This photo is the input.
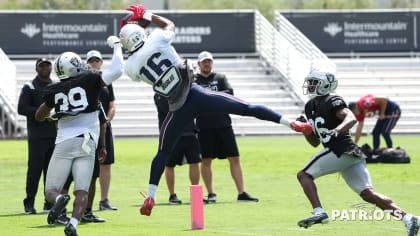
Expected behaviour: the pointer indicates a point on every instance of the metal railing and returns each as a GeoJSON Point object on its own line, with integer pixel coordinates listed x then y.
{"type": "Point", "coordinates": [9, 127]}
{"type": "Point", "coordinates": [287, 50]}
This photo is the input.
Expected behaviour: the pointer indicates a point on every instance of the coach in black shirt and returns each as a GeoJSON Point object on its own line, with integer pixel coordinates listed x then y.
{"type": "Point", "coordinates": [216, 136]}
{"type": "Point", "coordinates": [41, 135]}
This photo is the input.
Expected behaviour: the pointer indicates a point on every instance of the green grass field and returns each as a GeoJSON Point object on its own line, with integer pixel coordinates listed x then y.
{"type": "Point", "coordinates": [270, 165]}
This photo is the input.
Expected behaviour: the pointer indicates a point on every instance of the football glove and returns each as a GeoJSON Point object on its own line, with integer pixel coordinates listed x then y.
{"type": "Point", "coordinates": [112, 40]}
{"type": "Point", "coordinates": [138, 12]}
{"type": "Point", "coordinates": [303, 127]}
{"type": "Point", "coordinates": [138, 15]}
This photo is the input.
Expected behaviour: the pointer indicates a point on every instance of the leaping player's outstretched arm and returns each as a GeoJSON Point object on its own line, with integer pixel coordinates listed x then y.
{"type": "Point", "coordinates": [163, 22]}
{"type": "Point", "coordinates": [117, 63]}
{"type": "Point", "coordinates": [139, 12]}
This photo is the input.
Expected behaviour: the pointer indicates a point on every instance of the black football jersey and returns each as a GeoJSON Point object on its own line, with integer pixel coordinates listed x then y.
{"type": "Point", "coordinates": [321, 113]}
{"type": "Point", "coordinates": [75, 95]}
{"type": "Point", "coordinates": [214, 82]}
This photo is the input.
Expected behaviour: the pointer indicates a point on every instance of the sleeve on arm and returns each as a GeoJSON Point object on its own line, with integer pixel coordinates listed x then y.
{"type": "Point", "coordinates": [161, 35]}
{"type": "Point", "coordinates": [24, 105]}
{"type": "Point", "coordinates": [117, 66]}
{"type": "Point", "coordinates": [337, 103]}
{"type": "Point", "coordinates": [111, 93]}
{"type": "Point", "coordinates": [228, 88]}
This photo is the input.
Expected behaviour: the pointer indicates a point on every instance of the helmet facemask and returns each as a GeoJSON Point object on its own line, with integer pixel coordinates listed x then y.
{"type": "Point", "coordinates": [319, 84]}
{"type": "Point", "coordinates": [132, 37]}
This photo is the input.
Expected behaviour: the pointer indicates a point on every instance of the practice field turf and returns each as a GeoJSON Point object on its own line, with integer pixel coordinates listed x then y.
{"type": "Point", "coordinates": [270, 165]}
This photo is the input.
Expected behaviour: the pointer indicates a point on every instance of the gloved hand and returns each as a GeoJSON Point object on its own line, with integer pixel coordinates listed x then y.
{"type": "Point", "coordinates": [112, 40]}
{"type": "Point", "coordinates": [302, 127]}
{"type": "Point", "coordinates": [138, 15]}
{"type": "Point", "coordinates": [138, 12]}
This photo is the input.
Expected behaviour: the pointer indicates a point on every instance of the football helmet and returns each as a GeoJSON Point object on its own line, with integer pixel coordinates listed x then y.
{"type": "Point", "coordinates": [69, 64]}
{"type": "Point", "coordinates": [319, 83]}
{"type": "Point", "coordinates": [132, 37]}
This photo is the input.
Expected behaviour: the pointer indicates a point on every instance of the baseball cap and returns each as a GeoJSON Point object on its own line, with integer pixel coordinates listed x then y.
{"type": "Point", "coordinates": [93, 53]}
{"type": "Point", "coordinates": [204, 55]}
{"type": "Point", "coordinates": [39, 61]}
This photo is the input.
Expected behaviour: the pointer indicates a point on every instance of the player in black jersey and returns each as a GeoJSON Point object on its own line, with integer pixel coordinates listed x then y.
{"type": "Point", "coordinates": [331, 120]}
{"type": "Point", "coordinates": [216, 136]}
{"type": "Point", "coordinates": [75, 103]}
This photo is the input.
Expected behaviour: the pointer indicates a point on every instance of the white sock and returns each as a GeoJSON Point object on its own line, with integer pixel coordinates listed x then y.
{"type": "Point", "coordinates": [318, 210]}
{"type": "Point", "coordinates": [151, 192]}
{"type": "Point", "coordinates": [56, 198]}
{"type": "Point", "coordinates": [284, 121]}
{"type": "Point", "coordinates": [407, 218]}
{"type": "Point", "coordinates": [74, 222]}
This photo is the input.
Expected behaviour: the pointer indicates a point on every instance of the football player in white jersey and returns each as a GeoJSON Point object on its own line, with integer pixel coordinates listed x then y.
{"type": "Point", "coordinates": [153, 60]}
{"type": "Point", "coordinates": [75, 103]}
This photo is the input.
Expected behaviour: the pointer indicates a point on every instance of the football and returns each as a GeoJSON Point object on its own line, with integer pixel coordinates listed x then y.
{"type": "Point", "coordinates": [142, 22]}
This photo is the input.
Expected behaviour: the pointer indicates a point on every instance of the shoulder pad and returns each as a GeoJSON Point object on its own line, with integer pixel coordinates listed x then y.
{"type": "Point", "coordinates": [30, 85]}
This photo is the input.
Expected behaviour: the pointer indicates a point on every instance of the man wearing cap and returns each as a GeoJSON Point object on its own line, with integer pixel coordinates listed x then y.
{"type": "Point", "coordinates": [216, 136]}
{"type": "Point", "coordinates": [107, 98]}
{"type": "Point", "coordinates": [41, 135]}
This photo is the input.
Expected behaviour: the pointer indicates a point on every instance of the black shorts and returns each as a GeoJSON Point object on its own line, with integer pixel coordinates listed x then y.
{"type": "Point", "coordinates": [218, 143]}
{"type": "Point", "coordinates": [109, 141]}
{"type": "Point", "coordinates": [188, 147]}
{"type": "Point", "coordinates": [96, 167]}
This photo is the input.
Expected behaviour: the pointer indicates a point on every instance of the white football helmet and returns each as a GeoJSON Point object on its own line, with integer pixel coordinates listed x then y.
{"type": "Point", "coordinates": [319, 83]}
{"type": "Point", "coordinates": [69, 64]}
{"type": "Point", "coordinates": [132, 37]}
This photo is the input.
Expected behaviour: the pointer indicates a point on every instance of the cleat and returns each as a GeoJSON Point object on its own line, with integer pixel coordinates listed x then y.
{"type": "Point", "coordinates": [30, 210]}
{"type": "Point", "coordinates": [62, 219]}
{"type": "Point", "coordinates": [211, 198]}
{"type": "Point", "coordinates": [29, 207]}
{"type": "Point", "coordinates": [70, 230]}
{"type": "Point", "coordinates": [106, 205]}
{"type": "Point", "coordinates": [89, 217]}
{"type": "Point", "coordinates": [245, 197]}
{"type": "Point", "coordinates": [146, 208]}
{"type": "Point", "coordinates": [321, 218]}
{"type": "Point", "coordinates": [413, 226]}
{"type": "Point", "coordinates": [173, 200]}
{"type": "Point", "coordinates": [58, 208]}
{"type": "Point", "coordinates": [303, 127]}
{"type": "Point", "coordinates": [47, 207]}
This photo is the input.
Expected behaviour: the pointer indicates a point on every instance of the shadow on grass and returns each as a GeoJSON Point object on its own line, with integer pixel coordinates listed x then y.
{"type": "Point", "coordinates": [23, 214]}
{"type": "Point", "coordinates": [46, 226]}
